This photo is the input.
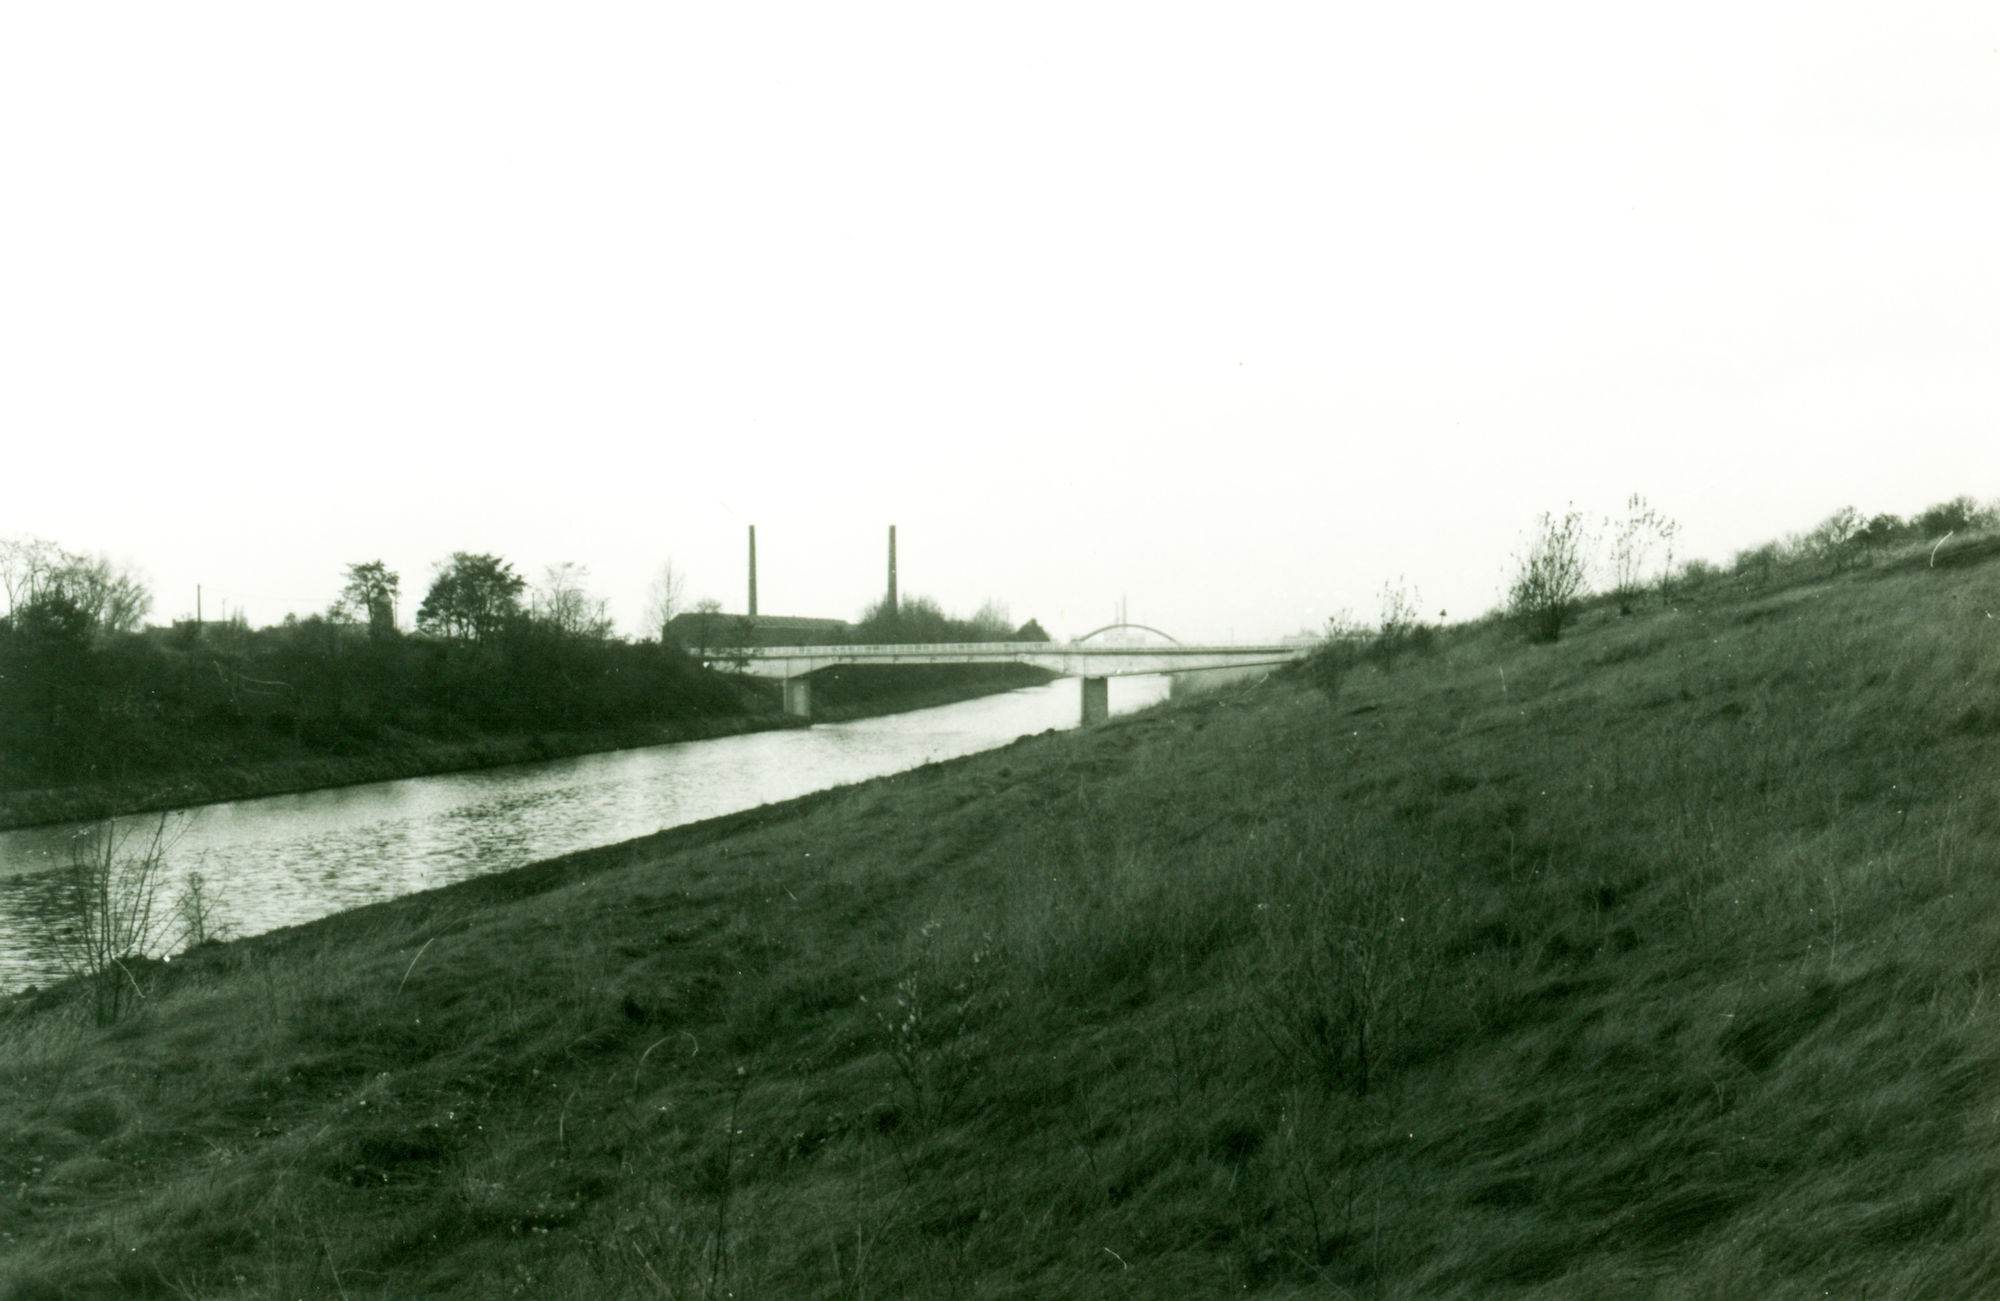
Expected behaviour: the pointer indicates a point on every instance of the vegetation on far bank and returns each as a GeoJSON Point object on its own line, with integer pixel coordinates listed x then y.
{"type": "Point", "coordinates": [101, 715]}
{"type": "Point", "coordinates": [392, 760]}
{"type": "Point", "coordinates": [91, 700]}
{"type": "Point", "coordinates": [272, 767]}
{"type": "Point", "coordinates": [861, 690]}
{"type": "Point", "coordinates": [1659, 960]}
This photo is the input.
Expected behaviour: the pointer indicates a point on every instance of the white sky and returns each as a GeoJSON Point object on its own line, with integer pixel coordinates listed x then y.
{"type": "Point", "coordinates": [1233, 311]}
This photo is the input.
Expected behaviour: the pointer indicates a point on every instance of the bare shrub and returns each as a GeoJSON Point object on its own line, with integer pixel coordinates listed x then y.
{"type": "Point", "coordinates": [109, 897]}
{"type": "Point", "coordinates": [1402, 630]}
{"type": "Point", "coordinates": [927, 1022]}
{"type": "Point", "coordinates": [1635, 539]}
{"type": "Point", "coordinates": [1550, 578]}
{"type": "Point", "coordinates": [198, 912]}
{"type": "Point", "coordinates": [1338, 652]}
{"type": "Point", "coordinates": [1347, 963]}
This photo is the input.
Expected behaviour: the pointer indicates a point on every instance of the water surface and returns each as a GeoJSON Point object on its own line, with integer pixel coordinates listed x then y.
{"type": "Point", "coordinates": [284, 859]}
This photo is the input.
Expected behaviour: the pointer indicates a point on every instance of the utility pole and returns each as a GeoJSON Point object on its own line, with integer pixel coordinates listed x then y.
{"type": "Point", "coordinates": [753, 571]}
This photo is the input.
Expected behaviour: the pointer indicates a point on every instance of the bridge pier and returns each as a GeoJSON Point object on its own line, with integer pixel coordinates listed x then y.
{"type": "Point", "coordinates": [1096, 700]}
{"type": "Point", "coordinates": [799, 697]}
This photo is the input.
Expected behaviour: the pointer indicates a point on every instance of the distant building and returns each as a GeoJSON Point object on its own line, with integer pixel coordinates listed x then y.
{"type": "Point", "coordinates": [700, 630]}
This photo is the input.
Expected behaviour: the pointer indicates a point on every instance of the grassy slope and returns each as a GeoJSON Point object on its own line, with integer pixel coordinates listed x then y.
{"type": "Point", "coordinates": [1656, 962]}
{"type": "Point", "coordinates": [869, 690]}
{"type": "Point", "coordinates": [269, 765]}
{"type": "Point", "coordinates": [215, 773]}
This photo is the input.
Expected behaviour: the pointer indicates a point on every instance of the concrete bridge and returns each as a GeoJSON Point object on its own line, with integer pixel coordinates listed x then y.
{"type": "Point", "coordinates": [1093, 662]}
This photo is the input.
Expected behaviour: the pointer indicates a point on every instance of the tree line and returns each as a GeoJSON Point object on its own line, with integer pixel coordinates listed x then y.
{"type": "Point", "coordinates": [87, 694]}
{"type": "Point", "coordinates": [919, 619]}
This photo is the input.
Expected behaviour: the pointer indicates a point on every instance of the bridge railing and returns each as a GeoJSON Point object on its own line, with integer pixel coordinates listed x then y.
{"type": "Point", "coordinates": [1006, 647]}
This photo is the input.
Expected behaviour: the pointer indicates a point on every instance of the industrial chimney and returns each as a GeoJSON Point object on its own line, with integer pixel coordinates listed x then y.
{"type": "Point", "coordinates": [753, 571]}
{"type": "Point", "coordinates": [891, 609]}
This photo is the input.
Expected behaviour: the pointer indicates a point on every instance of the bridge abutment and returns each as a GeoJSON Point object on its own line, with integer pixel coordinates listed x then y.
{"type": "Point", "coordinates": [1096, 700]}
{"type": "Point", "coordinates": [799, 697]}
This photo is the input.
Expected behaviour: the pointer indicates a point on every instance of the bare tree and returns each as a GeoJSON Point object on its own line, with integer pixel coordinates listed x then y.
{"type": "Point", "coordinates": [990, 623]}
{"type": "Point", "coordinates": [25, 565]}
{"type": "Point", "coordinates": [708, 630]}
{"type": "Point", "coordinates": [663, 599]}
{"type": "Point", "coordinates": [564, 603]}
{"type": "Point", "coordinates": [114, 599]}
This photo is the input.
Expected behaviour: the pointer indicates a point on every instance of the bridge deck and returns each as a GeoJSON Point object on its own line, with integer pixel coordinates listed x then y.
{"type": "Point", "coordinates": [1066, 658]}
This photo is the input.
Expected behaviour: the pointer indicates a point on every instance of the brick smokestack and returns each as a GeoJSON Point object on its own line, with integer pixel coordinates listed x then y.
{"type": "Point", "coordinates": [892, 571]}
{"type": "Point", "coordinates": [753, 571]}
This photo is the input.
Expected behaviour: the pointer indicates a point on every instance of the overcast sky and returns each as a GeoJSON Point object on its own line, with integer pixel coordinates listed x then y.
{"type": "Point", "coordinates": [1233, 312]}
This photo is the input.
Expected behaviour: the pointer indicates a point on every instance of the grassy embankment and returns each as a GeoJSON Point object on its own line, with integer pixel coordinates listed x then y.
{"type": "Point", "coordinates": [221, 775]}
{"type": "Point", "coordinates": [867, 690]}
{"type": "Point", "coordinates": [1656, 962]}
{"type": "Point", "coordinates": [265, 763]}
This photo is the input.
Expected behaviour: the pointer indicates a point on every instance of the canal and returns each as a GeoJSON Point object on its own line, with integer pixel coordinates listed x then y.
{"type": "Point", "coordinates": [285, 859]}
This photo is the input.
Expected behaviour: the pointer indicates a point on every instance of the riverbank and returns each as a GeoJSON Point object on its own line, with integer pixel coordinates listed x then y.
{"type": "Point", "coordinates": [854, 691]}
{"type": "Point", "coordinates": [1655, 962]}
{"type": "Point", "coordinates": [391, 762]}
{"type": "Point", "coordinates": [894, 691]}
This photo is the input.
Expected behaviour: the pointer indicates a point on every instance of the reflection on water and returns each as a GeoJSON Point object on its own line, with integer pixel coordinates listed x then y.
{"type": "Point", "coordinates": [285, 859]}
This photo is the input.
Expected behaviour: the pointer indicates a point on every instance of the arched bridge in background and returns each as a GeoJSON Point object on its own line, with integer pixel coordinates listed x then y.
{"type": "Point", "coordinates": [1121, 634]}
{"type": "Point", "coordinates": [1088, 658]}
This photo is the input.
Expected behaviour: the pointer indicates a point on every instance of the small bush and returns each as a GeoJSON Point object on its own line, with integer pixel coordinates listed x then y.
{"type": "Point", "coordinates": [1634, 541]}
{"type": "Point", "coordinates": [1835, 540]}
{"type": "Point", "coordinates": [1402, 630]}
{"type": "Point", "coordinates": [1348, 961]}
{"type": "Point", "coordinates": [1955, 516]}
{"type": "Point", "coordinates": [109, 897]}
{"type": "Point", "coordinates": [928, 1022]}
{"type": "Point", "coordinates": [1341, 650]}
{"type": "Point", "coordinates": [1758, 564]}
{"type": "Point", "coordinates": [1880, 532]}
{"type": "Point", "coordinates": [1696, 573]}
{"type": "Point", "coordinates": [1550, 578]}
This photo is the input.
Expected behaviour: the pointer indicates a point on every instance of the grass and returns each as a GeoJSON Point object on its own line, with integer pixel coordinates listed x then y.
{"type": "Point", "coordinates": [210, 773]}
{"type": "Point", "coordinates": [250, 763]}
{"type": "Point", "coordinates": [1660, 961]}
